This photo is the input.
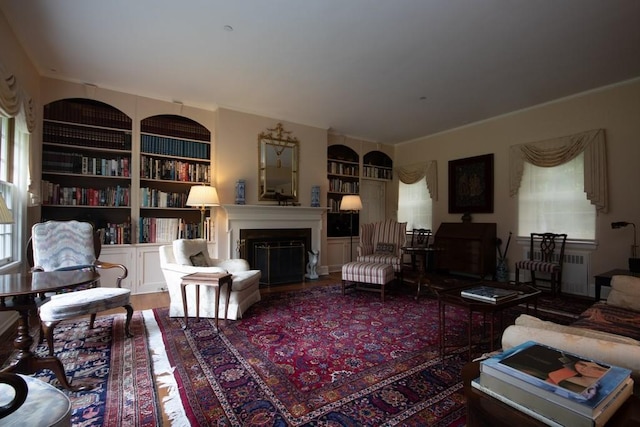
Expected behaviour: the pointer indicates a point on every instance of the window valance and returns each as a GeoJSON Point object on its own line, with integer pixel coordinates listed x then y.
{"type": "Point", "coordinates": [413, 173]}
{"type": "Point", "coordinates": [554, 152]}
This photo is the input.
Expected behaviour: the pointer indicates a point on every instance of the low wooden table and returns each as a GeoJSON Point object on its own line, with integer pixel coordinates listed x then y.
{"type": "Point", "coordinates": [216, 280]}
{"type": "Point", "coordinates": [486, 411]}
{"type": "Point", "coordinates": [451, 297]}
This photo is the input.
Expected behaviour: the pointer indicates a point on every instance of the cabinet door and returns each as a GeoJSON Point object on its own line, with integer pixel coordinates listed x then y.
{"type": "Point", "coordinates": [373, 195]}
{"type": "Point", "coordinates": [118, 255]}
{"type": "Point", "coordinates": [150, 277]}
{"type": "Point", "coordinates": [338, 252]}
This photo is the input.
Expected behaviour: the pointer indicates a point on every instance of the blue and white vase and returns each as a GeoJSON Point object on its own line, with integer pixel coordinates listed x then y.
{"type": "Point", "coordinates": [502, 270]}
{"type": "Point", "coordinates": [240, 188]}
{"type": "Point", "coordinates": [315, 196]}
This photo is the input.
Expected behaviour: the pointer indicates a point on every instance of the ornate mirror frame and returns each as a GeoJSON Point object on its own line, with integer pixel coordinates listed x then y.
{"type": "Point", "coordinates": [278, 165]}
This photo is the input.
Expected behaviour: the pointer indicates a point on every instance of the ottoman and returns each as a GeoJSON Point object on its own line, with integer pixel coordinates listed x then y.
{"type": "Point", "coordinates": [366, 276]}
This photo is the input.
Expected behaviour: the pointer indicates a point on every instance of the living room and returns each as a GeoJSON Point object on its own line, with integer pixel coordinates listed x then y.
{"type": "Point", "coordinates": [612, 107]}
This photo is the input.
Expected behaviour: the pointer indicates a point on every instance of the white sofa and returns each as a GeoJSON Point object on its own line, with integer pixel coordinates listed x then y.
{"type": "Point", "coordinates": [177, 260]}
{"type": "Point", "coordinates": [607, 347]}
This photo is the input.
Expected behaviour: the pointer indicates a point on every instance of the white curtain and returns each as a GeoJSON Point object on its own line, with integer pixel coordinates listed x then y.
{"type": "Point", "coordinates": [557, 151]}
{"type": "Point", "coordinates": [413, 173]}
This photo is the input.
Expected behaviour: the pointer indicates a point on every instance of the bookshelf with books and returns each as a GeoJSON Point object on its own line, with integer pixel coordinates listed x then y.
{"type": "Point", "coordinates": [86, 166]}
{"type": "Point", "coordinates": [377, 165]}
{"type": "Point", "coordinates": [343, 173]}
{"type": "Point", "coordinates": [175, 153]}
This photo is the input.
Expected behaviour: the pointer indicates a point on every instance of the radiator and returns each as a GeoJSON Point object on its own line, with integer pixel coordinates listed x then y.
{"type": "Point", "coordinates": [576, 270]}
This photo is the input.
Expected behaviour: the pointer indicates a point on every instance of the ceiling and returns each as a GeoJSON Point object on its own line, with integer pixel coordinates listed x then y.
{"type": "Point", "coordinates": [381, 70]}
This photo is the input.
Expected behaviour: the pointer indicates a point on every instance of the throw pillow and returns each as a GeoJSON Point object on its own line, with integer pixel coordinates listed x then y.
{"type": "Point", "coordinates": [199, 260]}
{"type": "Point", "coordinates": [625, 292]}
{"type": "Point", "coordinates": [385, 249]}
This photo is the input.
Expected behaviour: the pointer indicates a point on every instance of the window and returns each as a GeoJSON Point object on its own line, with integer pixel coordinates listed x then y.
{"type": "Point", "coordinates": [552, 199]}
{"type": "Point", "coordinates": [414, 205]}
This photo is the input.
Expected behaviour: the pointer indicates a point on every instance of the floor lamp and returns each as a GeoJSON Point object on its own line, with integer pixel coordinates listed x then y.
{"type": "Point", "coordinates": [203, 196]}
{"type": "Point", "coordinates": [351, 203]}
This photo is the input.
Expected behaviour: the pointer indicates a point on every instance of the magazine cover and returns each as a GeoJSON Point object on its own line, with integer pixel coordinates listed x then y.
{"type": "Point", "coordinates": [488, 293]}
{"type": "Point", "coordinates": [565, 374]}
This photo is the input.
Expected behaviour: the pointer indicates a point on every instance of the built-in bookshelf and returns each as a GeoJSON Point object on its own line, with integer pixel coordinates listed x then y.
{"type": "Point", "coordinates": [86, 166]}
{"type": "Point", "coordinates": [343, 173]}
{"type": "Point", "coordinates": [175, 154]}
{"type": "Point", "coordinates": [377, 165]}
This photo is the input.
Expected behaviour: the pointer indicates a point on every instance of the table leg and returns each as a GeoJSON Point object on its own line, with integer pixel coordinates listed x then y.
{"type": "Point", "coordinates": [216, 289]}
{"type": "Point", "coordinates": [28, 363]}
{"type": "Point", "coordinates": [442, 317]}
{"type": "Point", "coordinates": [197, 303]}
{"type": "Point", "coordinates": [226, 307]}
{"type": "Point", "coordinates": [184, 305]}
{"type": "Point", "coordinates": [469, 335]}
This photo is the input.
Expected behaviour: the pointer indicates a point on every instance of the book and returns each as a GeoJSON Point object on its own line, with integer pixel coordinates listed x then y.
{"type": "Point", "coordinates": [488, 293]}
{"type": "Point", "coordinates": [550, 411]}
{"type": "Point", "coordinates": [571, 380]}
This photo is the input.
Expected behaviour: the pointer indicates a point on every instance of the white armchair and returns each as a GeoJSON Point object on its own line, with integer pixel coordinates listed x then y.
{"type": "Point", "coordinates": [191, 256]}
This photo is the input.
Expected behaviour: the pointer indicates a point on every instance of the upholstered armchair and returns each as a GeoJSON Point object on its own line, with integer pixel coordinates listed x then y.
{"type": "Point", "coordinates": [184, 257]}
{"type": "Point", "coordinates": [382, 242]}
{"type": "Point", "coordinates": [73, 245]}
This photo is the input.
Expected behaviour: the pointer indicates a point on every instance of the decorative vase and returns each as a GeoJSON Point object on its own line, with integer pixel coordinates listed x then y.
{"type": "Point", "coordinates": [240, 187]}
{"type": "Point", "coordinates": [502, 270]}
{"type": "Point", "coordinates": [315, 196]}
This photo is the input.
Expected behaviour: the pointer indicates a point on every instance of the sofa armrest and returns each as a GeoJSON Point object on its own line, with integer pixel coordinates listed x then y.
{"type": "Point", "coordinates": [232, 265]}
{"type": "Point", "coordinates": [614, 353]}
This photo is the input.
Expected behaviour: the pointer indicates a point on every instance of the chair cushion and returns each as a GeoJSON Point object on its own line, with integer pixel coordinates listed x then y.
{"type": "Point", "coordinates": [392, 260]}
{"type": "Point", "coordinates": [78, 303]}
{"type": "Point", "coordinates": [183, 249]}
{"type": "Point", "coordinates": [545, 267]}
{"type": "Point", "coordinates": [45, 405]}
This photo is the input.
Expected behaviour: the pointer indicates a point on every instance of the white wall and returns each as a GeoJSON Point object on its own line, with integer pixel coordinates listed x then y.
{"type": "Point", "coordinates": [615, 109]}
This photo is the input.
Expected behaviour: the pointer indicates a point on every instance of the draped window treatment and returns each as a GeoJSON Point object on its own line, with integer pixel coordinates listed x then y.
{"type": "Point", "coordinates": [411, 174]}
{"type": "Point", "coordinates": [554, 152]}
{"type": "Point", "coordinates": [15, 102]}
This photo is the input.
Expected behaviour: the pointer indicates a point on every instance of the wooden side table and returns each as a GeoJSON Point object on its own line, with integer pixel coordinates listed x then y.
{"type": "Point", "coordinates": [216, 280]}
{"type": "Point", "coordinates": [486, 411]}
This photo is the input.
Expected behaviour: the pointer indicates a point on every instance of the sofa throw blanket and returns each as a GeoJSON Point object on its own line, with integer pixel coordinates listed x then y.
{"type": "Point", "coordinates": [612, 319]}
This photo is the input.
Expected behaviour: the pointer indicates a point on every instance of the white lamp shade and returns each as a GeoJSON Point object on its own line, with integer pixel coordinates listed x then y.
{"type": "Point", "coordinates": [5, 214]}
{"type": "Point", "coordinates": [351, 203]}
{"type": "Point", "coordinates": [203, 195]}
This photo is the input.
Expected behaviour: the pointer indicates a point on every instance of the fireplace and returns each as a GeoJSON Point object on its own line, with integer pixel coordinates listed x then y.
{"type": "Point", "coordinates": [279, 253]}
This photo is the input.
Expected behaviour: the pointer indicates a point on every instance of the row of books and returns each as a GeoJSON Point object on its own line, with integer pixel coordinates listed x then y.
{"type": "Point", "coordinates": [154, 198]}
{"type": "Point", "coordinates": [175, 147]}
{"type": "Point", "coordinates": [56, 194]}
{"type": "Point", "coordinates": [87, 112]}
{"type": "Point", "coordinates": [116, 234]}
{"type": "Point", "coordinates": [341, 169]}
{"type": "Point", "coordinates": [556, 387]}
{"type": "Point", "coordinates": [166, 230]}
{"type": "Point", "coordinates": [56, 161]}
{"type": "Point", "coordinates": [377, 172]}
{"type": "Point", "coordinates": [337, 185]}
{"type": "Point", "coordinates": [60, 133]}
{"type": "Point", "coordinates": [179, 129]}
{"type": "Point", "coordinates": [173, 170]}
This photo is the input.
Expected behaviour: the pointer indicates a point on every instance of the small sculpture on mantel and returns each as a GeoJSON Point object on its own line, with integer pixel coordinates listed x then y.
{"type": "Point", "coordinates": [312, 265]}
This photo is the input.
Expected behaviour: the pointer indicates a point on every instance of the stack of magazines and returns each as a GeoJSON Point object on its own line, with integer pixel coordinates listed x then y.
{"type": "Point", "coordinates": [555, 387]}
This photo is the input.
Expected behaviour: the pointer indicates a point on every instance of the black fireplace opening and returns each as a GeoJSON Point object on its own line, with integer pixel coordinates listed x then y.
{"type": "Point", "coordinates": [280, 254]}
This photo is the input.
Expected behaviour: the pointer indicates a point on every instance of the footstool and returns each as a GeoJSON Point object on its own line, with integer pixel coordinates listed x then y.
{"type": "Point", "coordinates": [366, 273]}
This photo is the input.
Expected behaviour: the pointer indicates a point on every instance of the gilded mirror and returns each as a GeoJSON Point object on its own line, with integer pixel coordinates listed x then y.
{"type": "Point", "coordinates": [278, 160]}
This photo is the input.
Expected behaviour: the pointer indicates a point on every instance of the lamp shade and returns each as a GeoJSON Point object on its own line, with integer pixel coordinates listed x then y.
{"type": "Point", "coordinates": [351, 203]}
{"type": "Point", "coordinates": [6, 217]}
{"type": "Point", "coordinates": [203, 195]}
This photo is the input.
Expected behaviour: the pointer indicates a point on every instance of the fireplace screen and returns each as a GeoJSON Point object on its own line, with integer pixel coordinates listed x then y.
{"type": "Point", "coordinates": [280, 262]}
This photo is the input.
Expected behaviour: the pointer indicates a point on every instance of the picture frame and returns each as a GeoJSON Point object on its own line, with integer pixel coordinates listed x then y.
{"type": "Point", "coordinates": [471, 184]}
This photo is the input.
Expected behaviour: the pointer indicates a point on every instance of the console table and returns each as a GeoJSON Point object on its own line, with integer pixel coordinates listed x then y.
{"type": "Point", "coordinates": [604, 279]}
{"type": "Point", "coordinates": [466, 247]}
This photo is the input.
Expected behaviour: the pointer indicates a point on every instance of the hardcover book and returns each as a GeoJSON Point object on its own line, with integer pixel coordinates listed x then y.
{"type": "Point", "coordinates": [573, 380]}
{"type": "Point", "coordinates": [488, 293]}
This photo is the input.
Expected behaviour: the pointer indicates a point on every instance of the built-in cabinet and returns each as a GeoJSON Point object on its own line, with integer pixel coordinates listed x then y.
{"type": "Point", "coordinates": [133, 188]}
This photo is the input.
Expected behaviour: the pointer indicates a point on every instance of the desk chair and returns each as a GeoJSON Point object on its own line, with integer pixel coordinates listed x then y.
{"type": "Point", "coordinates": [546, 255]}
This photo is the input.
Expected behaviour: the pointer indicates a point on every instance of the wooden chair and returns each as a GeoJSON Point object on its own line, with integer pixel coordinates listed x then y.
{"type": "Point", "coordinates": [73, 245]}
{"type": "Point", "coordinates": [546, 255]}
{"type": "Point", "coordinates": [419, 238]}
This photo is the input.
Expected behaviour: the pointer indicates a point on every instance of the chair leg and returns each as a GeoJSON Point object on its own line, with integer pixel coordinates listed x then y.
{"type": "Point", "coordinates": [127, 331]}
{"type": "Point", "coordinates": [517, 276]}
{"type": "Point", "coordinates": [47, 330]}
{"type": "Point", "coordinates": [92, 320]}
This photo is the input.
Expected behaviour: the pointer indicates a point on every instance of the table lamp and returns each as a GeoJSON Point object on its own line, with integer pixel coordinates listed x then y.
{"type": "Point", "coordinates": [203, 196]}
{"type": "Point", "coordinates": [634, 261]}
{"type": "Point", "coordinates": [351, 203]}
{"type": "Point", "coordinates": [6, 217]}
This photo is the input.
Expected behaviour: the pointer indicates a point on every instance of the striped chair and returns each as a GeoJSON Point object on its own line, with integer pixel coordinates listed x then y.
{"type": "Point", "coordinates": [382, 242]}
{"type": "Point", "coordinates": [546, 255]}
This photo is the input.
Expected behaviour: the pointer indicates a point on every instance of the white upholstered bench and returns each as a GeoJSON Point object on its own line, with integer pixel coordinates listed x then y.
{"type": "Point", "coordinates": [362, 275]}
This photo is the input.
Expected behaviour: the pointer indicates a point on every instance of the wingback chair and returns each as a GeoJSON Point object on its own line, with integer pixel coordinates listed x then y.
{"type": "Point", "coordinates": [72, 245]}
{"type": "Point", "coordinates": [546, 255]}
{"type": "Point", "coordinates": [382, 242]}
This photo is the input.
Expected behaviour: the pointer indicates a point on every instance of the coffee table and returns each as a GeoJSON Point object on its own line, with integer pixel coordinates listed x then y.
{"type": "Point", "coordinates": [215, 280]}
{"type": "Point", "coordinates": [451, 297]}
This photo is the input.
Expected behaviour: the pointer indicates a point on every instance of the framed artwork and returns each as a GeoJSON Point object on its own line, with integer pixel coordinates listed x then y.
{"type": "Point", "coordinates": [471, 185]}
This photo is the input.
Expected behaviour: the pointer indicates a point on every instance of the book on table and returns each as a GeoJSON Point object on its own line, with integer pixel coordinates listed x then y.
{"type": "Point", "coordinates": [549, 411]}
{"type": "Point", "coordinates": [488, 293]}
{"type": "Point", "coordinates": [571, 381]}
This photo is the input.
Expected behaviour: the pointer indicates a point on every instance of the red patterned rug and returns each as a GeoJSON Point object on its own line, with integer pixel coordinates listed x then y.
{"type": "Point", "coordinates": [118, 369]}
{"type": "Point", "coordinates": [317, 358]}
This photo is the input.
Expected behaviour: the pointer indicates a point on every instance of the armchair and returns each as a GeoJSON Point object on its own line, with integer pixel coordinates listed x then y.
{"type": "Point", "coordinates": [73, 245]}
{"type": "Point", "coordinates": [382, 242]}
{"type": "Point", "coordinates": [184, 257]}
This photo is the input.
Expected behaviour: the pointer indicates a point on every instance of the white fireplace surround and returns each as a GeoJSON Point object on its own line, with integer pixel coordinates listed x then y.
{"type": "Point", "coordinates": [240, 217]}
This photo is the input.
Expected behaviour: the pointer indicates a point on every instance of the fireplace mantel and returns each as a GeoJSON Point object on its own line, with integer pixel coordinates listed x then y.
{"type": "Point", "coordinates": [239, 217]}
